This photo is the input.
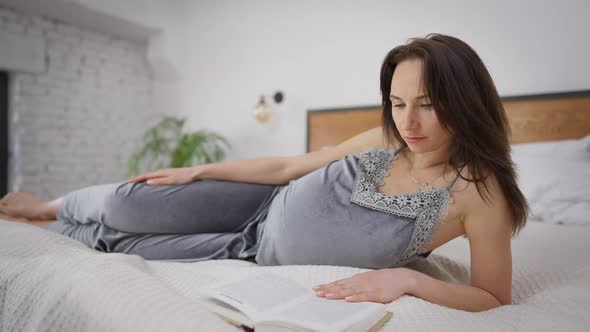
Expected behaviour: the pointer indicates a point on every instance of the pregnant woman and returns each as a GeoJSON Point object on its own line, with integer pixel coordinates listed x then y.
{"type": "Point", "coordinates": [437, 168]}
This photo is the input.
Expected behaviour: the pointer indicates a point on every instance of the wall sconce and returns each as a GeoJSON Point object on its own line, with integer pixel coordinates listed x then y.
{"type": "Point", "coordinates": [265, 107]}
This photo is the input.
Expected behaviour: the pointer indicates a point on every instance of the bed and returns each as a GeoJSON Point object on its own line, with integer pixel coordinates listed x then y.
{"type": "Point", "coordinates": [49, 282]}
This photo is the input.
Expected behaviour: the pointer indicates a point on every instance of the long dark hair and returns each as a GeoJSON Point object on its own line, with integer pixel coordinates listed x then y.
{"type": "Point", "coordinates": [467, 104]}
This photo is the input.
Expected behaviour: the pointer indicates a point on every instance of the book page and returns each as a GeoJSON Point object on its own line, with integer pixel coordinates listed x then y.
{"type": "Point", "coordinates": [229, 313]}
{"type": "Point", "coordinates": [261, 291]}
{"type": "Point", "coordinates": [316, 312]}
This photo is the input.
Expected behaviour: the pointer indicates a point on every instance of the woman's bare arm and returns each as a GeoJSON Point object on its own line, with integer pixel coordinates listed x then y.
{"type": "Point", "coordinates": [488, 226]}
{"type": "Point", "coordinates": [281, 170]}
{"type": "Point", "coordinates": [266, 170]}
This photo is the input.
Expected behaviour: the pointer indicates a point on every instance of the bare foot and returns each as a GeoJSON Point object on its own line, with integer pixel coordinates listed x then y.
{"type": "Point", "coordinates": [25, 205]}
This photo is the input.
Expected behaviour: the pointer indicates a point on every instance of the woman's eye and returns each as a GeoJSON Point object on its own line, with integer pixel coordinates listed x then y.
{"type": "Point", "coordinates": [399, 105]}
{"type": "Point", "coordinates": [427, 106]}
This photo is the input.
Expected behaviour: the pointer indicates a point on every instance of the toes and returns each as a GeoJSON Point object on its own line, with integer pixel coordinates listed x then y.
{"type": "Point", "coordinates": [7, 209]}
{"type": "Point", "coordinates": [4, 210]}
{"type": "Point", "coordinates": [6, 197]}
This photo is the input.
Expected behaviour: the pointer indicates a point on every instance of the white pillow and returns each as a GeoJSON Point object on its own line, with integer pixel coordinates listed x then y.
{"type": "Point", "coordinates": [572, 149]}
{"type": "Point", "coordinates": [555, 179]}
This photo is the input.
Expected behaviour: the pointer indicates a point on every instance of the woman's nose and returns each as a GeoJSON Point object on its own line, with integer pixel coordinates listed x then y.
{"type": "Point", "coordinates": [410, 120]}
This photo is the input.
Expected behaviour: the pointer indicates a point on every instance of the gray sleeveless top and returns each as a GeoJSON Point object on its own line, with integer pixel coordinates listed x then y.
{"type": "Point", "coordinates": [335, 216]}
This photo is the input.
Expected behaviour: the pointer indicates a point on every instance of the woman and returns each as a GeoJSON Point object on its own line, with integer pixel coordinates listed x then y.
{"type": "Point", "coordinates": [439, 167]}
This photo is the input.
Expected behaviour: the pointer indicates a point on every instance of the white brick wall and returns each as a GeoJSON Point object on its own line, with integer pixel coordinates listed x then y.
{"type": "Point", "coordinates": [76, 124]}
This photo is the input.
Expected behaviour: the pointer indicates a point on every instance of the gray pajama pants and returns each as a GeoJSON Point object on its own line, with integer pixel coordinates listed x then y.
{"type": "Point", "coordinates": [206, 219]}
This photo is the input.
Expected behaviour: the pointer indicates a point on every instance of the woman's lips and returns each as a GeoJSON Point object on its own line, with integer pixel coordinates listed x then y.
{"type": "Point", "coordinates": [414, 139]}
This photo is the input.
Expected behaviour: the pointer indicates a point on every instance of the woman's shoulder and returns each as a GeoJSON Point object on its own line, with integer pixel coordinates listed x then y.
{"type": "Point", "coordinates": [477, 200]}
{"type": "Point", "coordinates": [300, 165]}
{"type": "Point", "coordinates": [382, 150]}
{"type": "Point", "coordinates": [374, 152]}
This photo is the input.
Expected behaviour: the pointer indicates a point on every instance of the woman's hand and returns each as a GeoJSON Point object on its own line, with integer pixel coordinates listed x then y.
{"type": "Point", "coordinates": [181, 175]}
{"type": "Point", "coordinates": [381, 286]}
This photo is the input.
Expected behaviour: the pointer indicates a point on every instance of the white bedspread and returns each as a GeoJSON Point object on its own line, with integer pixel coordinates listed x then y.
{"type": "Point", "coordinates": [49, 282]}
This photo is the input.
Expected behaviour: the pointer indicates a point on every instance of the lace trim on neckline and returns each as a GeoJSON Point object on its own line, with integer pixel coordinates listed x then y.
{"type": "Point", "coordinates": [372, 169]}
{"type": "Point", "coordinates": [427, 206]}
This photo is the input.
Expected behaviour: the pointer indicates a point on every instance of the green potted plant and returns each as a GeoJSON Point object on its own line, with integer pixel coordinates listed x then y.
{"type": "Point", "coordinates": [165, 145]}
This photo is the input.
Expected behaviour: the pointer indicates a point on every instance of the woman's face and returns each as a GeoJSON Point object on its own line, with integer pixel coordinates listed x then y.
{"type": "Point", "coordinates": [412, 112]}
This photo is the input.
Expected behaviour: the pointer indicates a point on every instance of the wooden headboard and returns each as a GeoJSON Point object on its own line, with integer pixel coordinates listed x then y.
{"type": "Point", "coordinates": [533, 118]}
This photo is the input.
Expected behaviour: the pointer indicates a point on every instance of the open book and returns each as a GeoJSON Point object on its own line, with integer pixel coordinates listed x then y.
{"type": "Point", "coordinates": [265, 301]}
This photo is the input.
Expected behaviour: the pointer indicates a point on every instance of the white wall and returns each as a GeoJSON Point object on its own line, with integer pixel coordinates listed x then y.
{"type": "Point", "coordinates": [76, 121]}
{"type": "Point", "coordinates": [166, 51]}
{"type": "Point", "coordinates": [325, 54]}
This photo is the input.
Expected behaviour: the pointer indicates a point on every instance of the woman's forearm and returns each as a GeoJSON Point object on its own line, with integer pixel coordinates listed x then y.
{"type": "Point", "coordinates": [265, 170]}
{"type": "Point", "coordinates": [450, 295]}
